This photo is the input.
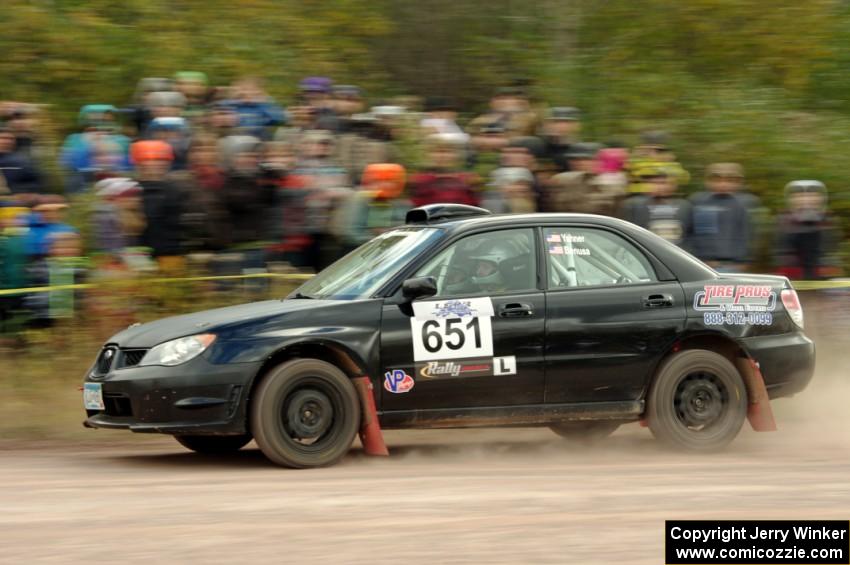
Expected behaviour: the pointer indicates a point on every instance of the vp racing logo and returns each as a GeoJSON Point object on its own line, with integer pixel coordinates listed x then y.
{"type": "Point", "coordinates": [732, 298]}
{"type": "Point", "coordinates": [397, 381]}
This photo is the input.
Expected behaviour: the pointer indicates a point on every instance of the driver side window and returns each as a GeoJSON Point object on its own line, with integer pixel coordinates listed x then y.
{"type": "Point", "coordinates": [592, 257]}
{"type": "Point", "coordinates": [486, 263]}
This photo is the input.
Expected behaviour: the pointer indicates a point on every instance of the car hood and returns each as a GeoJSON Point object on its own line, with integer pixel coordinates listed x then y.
{"type": "Point", "coordinates": [218, 320]}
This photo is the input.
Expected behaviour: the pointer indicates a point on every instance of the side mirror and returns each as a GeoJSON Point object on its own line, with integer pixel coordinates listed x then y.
{"type": "Point", "coordinates": [419, 287]}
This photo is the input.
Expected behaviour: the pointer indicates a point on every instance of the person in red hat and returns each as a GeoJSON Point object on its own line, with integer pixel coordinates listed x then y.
{"type": "Point", "coordinates": [161, 201]}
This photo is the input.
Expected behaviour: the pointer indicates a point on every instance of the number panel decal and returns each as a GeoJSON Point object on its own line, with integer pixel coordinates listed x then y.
{"type": "Point", "coordinates": [452, 329]}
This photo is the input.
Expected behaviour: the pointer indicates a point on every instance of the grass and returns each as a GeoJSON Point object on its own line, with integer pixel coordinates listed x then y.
{"type": "Point", "coordinates": [41, 371]}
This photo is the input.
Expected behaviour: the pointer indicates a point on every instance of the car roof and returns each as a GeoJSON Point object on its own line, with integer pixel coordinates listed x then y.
{"type": "Point", "coordinates": [535, 219]}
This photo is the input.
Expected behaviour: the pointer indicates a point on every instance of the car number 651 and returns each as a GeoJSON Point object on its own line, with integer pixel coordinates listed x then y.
{"type": "Point", "coordinates": [452, 338]}
{"type": "Point", "coordinates": [434, 341]}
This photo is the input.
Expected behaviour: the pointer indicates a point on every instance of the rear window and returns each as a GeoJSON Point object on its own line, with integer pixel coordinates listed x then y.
{"type": "Point", "coordinates": [578, 257]}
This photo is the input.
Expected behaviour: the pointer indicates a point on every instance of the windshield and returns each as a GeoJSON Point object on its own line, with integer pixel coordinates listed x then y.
{"type": "Point", "coordinates": [363, 271]}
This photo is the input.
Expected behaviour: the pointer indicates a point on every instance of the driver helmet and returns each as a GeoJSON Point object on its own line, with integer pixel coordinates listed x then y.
{"type": "Point", "coordinates": [486, 263]}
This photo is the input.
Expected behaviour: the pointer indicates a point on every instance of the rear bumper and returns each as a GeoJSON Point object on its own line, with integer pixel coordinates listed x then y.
{"type": "Point", "coordinates": [787, 361]}
{"type": "Point", "coordinates": [195, 398]}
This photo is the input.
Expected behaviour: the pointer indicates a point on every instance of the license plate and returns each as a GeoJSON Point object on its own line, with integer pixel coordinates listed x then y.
{"type": "Point", "coordinates": [93, 396]}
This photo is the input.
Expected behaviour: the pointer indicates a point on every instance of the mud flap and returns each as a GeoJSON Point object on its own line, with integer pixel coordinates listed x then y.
{"type": "Point", "coordinates": [370, 429]}
{"type": "Point", "coordinates": [759, 412]}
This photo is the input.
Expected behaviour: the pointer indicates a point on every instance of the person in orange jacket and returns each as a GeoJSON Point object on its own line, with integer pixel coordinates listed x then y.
{"type": "Point", "coordinates": [377, 205]}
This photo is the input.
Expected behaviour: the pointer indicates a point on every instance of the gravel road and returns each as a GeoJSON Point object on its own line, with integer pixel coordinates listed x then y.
{"type": "Point", "coordinates": [465, 496]}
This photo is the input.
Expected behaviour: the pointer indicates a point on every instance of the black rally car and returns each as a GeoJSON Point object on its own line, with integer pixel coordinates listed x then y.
{"type": "Point", "coordinates": [463, 318]}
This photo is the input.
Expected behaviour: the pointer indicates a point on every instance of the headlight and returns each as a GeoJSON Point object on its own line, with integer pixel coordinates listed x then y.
{"type": "Point", "coordinates": [178, 351]}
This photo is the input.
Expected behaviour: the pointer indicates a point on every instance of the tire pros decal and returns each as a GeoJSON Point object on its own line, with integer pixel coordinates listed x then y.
{"type": "Point", "coordinates": [743, 304]}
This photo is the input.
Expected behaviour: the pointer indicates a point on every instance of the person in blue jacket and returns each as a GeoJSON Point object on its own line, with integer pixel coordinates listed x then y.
{"type": "Point", "coordinates": [45, 221]}
{"type": "Point", "coordinates": [96, 151]}
{"type": "Point", "coordinates": [721, 221]}
{"type": "Point", "coordinates": [258, 112]}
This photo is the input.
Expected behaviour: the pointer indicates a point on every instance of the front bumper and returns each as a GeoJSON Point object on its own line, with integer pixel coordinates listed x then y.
{"type": "Point", "coordinates": [197, 397]}
{"type": "Point", "coordinates": [787, 361]}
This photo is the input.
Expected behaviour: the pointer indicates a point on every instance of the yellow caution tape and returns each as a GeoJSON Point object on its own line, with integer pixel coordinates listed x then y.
{"type": "Point", "coordinates": [820, 285]}
{"type": "Point", "coordinates": [798, 285]}
{"type": "Point", "coordinates": [32, 289]}
{"type": "Point", "coordinates": [161, 280]}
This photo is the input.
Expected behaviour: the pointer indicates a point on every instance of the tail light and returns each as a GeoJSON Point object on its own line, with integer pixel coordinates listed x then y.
{"type": "Point", "coordinates": [792, 305]}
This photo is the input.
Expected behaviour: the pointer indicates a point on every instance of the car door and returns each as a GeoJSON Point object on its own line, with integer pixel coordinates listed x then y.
{"type": "Point", "coordinates": [479, 341]}
{"type": "Point", "coordinates": [608, 318]}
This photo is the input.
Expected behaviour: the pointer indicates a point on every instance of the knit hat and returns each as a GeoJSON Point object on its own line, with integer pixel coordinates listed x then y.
{"type": "Point", "coordinates": [806, 186]}
{"type": "Point", "coordinates": [315, 84]}
{"type": "Point", "coordinates": [387, 173]}
{"type": "Point", "coordinates": [166, 98]}
{"type": "Point", "coordinates": [150, 150]}
{"type": "Point", "coordinates": [611, 159]}
{"type": "Point", "coordinates": [232, 145]}
{"type": "Point", "coordinates": [90, 114]}
{"type": "Point", "coordinates": [191, 76]}
{"type": "Point", "coordinates": [116, 187]}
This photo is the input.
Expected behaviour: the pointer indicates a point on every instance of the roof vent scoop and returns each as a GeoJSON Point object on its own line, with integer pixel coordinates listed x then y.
{"type": "Point", "coordinates": [440, 212]}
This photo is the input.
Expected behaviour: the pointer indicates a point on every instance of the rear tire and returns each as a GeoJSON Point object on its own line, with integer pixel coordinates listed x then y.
{"type": "Point", "coordinates": [305, 413]}
{"type": "Point", "coordinates": [697, 401]}
{"type": "Point", "coordinates": [214, 445]}
{"type": "Point", "coordinates": [586, 432]}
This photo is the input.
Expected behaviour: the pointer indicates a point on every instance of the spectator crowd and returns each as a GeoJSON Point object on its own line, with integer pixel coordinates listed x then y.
{"type": "Point", "coordinates": [227, 174]}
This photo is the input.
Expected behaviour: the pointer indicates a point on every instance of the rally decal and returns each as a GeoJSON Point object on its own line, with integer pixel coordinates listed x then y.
{"type": "Point", "coordinates": [397, 381]}
{"type": "Point", "coordinates": [452, 329]}
{"type": "Point", "coordinates": [736, 304]}
{"type": "Point", "coordinates": [453, 369]}
{"type": "Point", "coordinates": [467, 368]}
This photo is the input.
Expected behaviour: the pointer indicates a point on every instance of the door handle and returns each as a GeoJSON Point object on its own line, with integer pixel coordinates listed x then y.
{"type": "Point", "coordinates": [657, 301]}
{"type": "Point", "coordinates": [515, 310]}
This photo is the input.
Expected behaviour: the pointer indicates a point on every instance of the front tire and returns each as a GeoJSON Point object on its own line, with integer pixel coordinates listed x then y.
{"type": "Point", "coordinates": [697, 401]}
{"type": "Point", "coordinates": [305, 413]}
{"type": "Point", "coordinates": [214, 445]}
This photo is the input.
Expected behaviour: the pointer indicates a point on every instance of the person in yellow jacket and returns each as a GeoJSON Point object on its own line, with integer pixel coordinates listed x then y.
{"type": "Point", "coordinates": [652, 154]}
